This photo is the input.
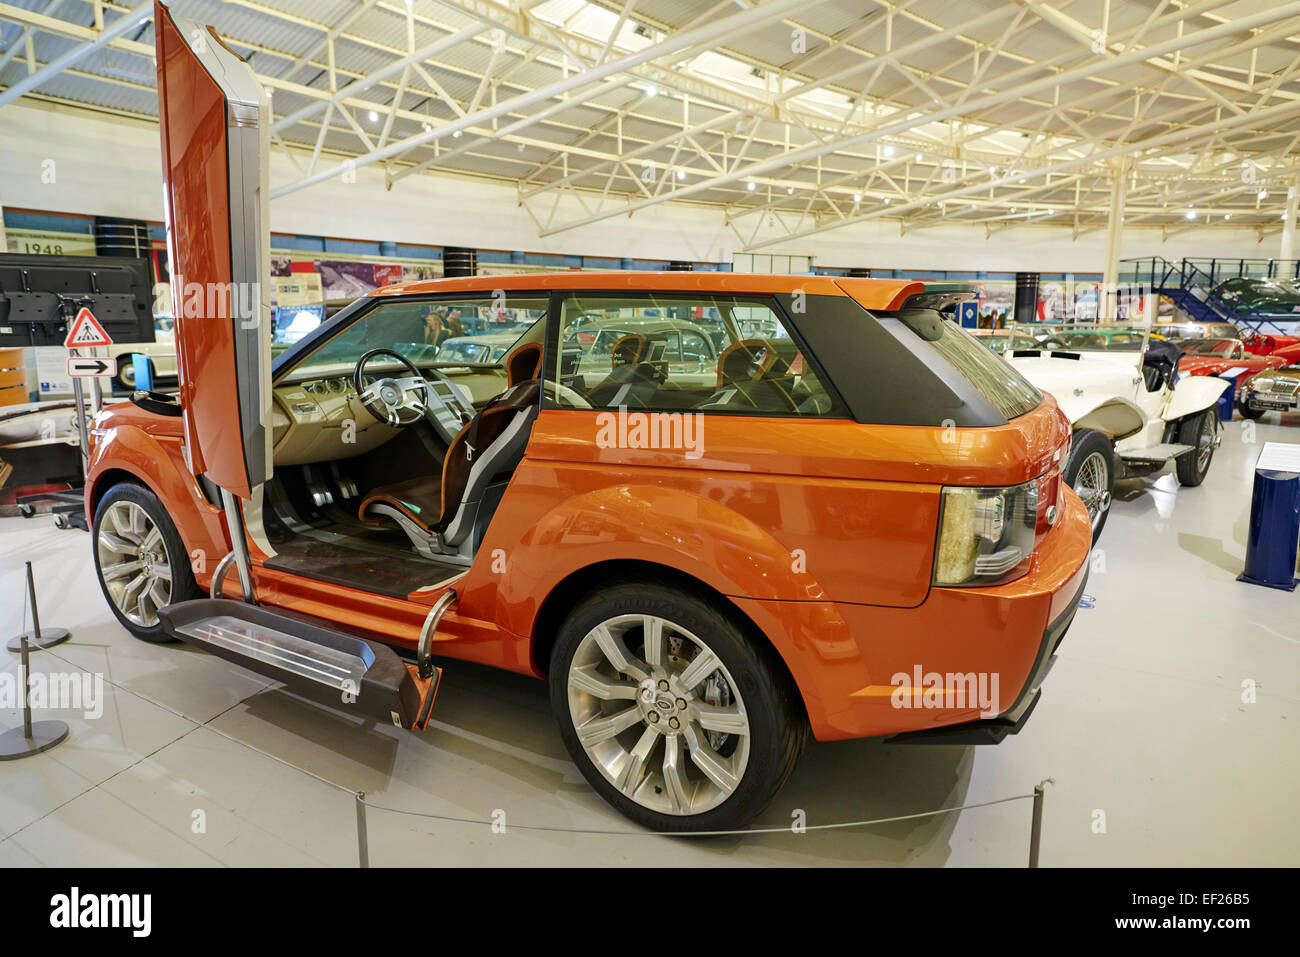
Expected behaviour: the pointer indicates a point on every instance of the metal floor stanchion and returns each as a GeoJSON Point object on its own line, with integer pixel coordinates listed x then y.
{"type": "Point", "coordinates": [34, 736]}
{"type": "Point", "coordinates": [38, 637]}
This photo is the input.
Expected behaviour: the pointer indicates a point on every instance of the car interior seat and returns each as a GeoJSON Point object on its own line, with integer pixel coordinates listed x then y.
{"type": "Point", "coordinates": [753, 374]}
{"type": "Point", "coordinates": [633, 378]}
{"type": "Point", "coordinates": [1160, 364]}
{"type": "Point", "coordinates": [438, 515]}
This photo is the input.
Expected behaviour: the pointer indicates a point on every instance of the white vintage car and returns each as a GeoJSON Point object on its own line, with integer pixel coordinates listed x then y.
{"type": "Point", "coordinates": [1130, 411]}
{"type": "Point", "coordinates": [161, 353]}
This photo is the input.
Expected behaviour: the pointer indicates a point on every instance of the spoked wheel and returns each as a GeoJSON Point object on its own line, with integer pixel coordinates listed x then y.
{"type": "Point", "coordinates": [1091, 473]}
{"type": "Point", "coordinates": [1202, 432]}
{"type": "Point", "coordinates": [670, 711]}
{"type": "Point", "coordinates": [141, 562]}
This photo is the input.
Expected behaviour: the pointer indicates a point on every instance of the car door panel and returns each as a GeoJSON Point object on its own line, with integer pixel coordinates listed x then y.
{"type": "Point", "coordinates": [214, 123]}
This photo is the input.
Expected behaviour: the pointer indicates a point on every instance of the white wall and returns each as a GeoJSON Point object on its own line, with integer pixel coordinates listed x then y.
{"type": "Point", "coordinates": [109, 166]}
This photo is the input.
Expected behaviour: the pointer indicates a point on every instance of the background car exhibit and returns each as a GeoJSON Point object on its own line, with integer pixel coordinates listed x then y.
{"type": "Point", "coordinates": [1130, 412]}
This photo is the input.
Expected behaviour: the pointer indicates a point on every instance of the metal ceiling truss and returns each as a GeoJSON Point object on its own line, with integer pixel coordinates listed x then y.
{"type": "Point", "coordinates": [603, 108]}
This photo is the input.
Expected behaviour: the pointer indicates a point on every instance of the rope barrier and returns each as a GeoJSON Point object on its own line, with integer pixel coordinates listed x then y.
{"type": "Point", "coordinates": [363, 804]}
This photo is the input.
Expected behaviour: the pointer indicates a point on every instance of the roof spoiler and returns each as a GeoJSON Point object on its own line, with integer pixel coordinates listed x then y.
{"type": "Point", "coordinates": [940, 296]}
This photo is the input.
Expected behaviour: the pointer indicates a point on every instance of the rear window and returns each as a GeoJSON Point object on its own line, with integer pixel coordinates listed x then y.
{"type": "Point", "coordinates": [1006, 389]}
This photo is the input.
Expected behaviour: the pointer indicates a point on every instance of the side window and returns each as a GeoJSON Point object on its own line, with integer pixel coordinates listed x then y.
{"type": "Point", "coordinates": [724, 354]}
{"type": "Point", "coordinates": [472, 330]}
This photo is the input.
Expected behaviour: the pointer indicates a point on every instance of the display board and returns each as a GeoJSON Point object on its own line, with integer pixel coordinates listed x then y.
{"type": "Point", "coordinates": [40, 295]}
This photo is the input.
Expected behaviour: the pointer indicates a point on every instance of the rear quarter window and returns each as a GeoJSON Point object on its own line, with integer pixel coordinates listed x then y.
{"type": "Point", "coordinates": [910, 367]}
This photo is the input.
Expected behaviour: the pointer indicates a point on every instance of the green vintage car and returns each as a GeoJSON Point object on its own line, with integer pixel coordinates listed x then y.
{"type": "Point", "coordinates": [1259, 297]}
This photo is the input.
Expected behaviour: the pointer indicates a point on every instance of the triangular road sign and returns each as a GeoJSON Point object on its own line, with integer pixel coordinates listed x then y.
{"type": "Point", "coordinates": [86, 332]}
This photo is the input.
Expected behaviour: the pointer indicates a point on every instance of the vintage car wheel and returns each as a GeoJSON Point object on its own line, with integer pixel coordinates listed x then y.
{"type": "Point", "coordinates": [1248, 413]}
{"type": "Point", "coordinates": [126, 372]}
{"type": "Point", "coordinates": [140, 560]}
{"type": "Point", "coordinates": [1201, 431]}
{"type": "Point", "coordinates": [671, 712]}
{"type": "Point", "coordinates": [1091, 473]}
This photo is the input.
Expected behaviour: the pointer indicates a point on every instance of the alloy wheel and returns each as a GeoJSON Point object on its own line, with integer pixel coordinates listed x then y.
{"type": "Point", "coordinates": [133, 563]}
{"type": "Point", "coordinates": [1092, 483]}
{"type": "Point", "coordinates": [657, 712]}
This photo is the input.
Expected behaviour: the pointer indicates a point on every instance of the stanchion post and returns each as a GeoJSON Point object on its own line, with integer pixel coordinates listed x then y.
{"type": "Point", "coordinates": [1036, 827]}
{"type": "Point", "coordinates": [26, 655]}
{"type": "Point", "coordinates": [42, 639]}
{"type": "Point", "coordinates": [41, 735]}
{"type": "Point", "coordinates": [363, 844]}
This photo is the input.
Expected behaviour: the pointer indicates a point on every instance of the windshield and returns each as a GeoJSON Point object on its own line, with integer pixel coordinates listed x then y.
{"type": "Point", "coordinates": [1093, 338]}
{"type": "Point", "coordinates": [1227, 348]}
{"type": "Point", "coordinates": [1000, 342]}
{"type": "Point", "coordinates": [427, 331]}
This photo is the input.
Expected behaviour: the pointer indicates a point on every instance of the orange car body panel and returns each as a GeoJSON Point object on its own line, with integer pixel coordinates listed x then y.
{"type": "Point", "coordinates": [196, 178]}
{"type": "Point", "coordinates": [821, 531]}
{"type": "Point", "coordinates": [884, 294]}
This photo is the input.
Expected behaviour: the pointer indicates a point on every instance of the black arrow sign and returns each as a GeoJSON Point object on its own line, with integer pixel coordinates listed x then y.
{"type": "Point", "coordinates": [87, 367]}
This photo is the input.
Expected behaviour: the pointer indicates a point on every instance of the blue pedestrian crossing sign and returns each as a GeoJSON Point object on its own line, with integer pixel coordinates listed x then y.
{"type": "Point", "coordinates": [968, 313]}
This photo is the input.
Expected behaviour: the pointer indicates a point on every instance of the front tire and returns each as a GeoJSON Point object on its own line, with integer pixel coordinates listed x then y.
{"type": "Point", "coordinates": [1090, 471]}
{"type": "Point", "coordinates": [1201, 432]}
{"type": "Point", "coordinates": [140, 560]}
{"type": "Point", "coordinates": [672, 713]}
{"type": "Point", "coordinates": [1248, 413]}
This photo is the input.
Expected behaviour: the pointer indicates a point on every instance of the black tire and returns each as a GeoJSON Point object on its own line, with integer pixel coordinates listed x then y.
{"type": "Point", "coordinates": [778, 728]}
{"type": "Point", "coordinates": [1086, 444]}
{"type": "Point", "coordinates": [125, 375]}
{"type": "Point", "coordinates": [1247, 412]}
{"type": "Point", "coordinates": [1193, 431]}
{"type": "Point", "coordinates": [183, 586]}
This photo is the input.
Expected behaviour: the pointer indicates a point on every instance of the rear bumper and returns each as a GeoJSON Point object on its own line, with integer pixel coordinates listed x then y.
{"type": "Point", "coordinates": [867, 670]}
{"type": "Point", "coordinates": [994, 730]}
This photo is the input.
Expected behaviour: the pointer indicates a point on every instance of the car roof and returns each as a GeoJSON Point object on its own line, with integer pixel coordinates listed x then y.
{"type": "Point", "coordinates": [884, 294]}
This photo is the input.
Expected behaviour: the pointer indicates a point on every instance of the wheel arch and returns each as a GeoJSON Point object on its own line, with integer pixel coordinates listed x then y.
{"type": "Point", "coordinates": [1114, 418]}
{"type": "Point", "coordinates": [569, 590]}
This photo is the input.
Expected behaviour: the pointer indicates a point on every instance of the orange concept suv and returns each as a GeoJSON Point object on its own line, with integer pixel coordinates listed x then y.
{"type": "Point", "coordinates": [716, 512]}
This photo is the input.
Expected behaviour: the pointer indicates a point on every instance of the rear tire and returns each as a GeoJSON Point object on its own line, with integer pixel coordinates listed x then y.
{"type": "Point", "coordinates": [1200, 431]}
{"type": "Point", "coordinates": [140, 560]}
{"type": "Point", "coordinates": [737, 725]}
{"type": "Point", "coordinates": [1090, 471]}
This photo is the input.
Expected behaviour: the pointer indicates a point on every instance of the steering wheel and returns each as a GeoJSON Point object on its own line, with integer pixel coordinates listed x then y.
{"type": "Point", "coordinates": [397, 401]}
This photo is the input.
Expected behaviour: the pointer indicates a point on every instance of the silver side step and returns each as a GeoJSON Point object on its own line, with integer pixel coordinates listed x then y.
{"type": "Point", "coordinates": [1155, 454]}
{"type": "Point", "coordinates": [310, 658]}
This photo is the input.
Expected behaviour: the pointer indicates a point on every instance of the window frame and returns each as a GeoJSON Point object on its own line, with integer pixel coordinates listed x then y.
{"type": "Point", "coordinates": [840, 411]}
{"type": "Point", "coordinates": [360, 309]}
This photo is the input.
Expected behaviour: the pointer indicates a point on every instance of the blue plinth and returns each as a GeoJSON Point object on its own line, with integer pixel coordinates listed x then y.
{"type": "Point", "coordinates": [143, 369]}
{"type": "Point", "coordinates": [1274, 529]}
{"type": "Point", "coordinates": [1226, 401]}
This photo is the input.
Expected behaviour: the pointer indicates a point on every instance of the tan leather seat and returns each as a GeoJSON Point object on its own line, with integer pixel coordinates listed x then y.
{"type": "Point", "coordinates": [753, 375]}
{"type": "Point", "coordinates": [633, 379]}
{"type": "Point", "coordinates": [439, 514]}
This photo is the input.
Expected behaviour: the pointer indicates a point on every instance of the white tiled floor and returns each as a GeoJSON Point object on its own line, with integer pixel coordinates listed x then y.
{"type": "Point", "coordinates": [1141, 720]}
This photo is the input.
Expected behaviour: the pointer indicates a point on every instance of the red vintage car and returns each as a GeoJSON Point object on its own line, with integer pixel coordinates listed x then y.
{"type": "Point", "coordinates": [1267, 344]}
{"type": "Point", "coordinates": [1217, 356]}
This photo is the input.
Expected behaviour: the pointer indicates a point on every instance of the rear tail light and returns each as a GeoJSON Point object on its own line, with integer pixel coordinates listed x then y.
{"type": "Point", "coordinates": [987, 535]}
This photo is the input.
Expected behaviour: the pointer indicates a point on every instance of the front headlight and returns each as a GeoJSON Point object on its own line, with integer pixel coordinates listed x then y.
{"type": "Point", "coordinates": [986, 535]}
{"type": "Point", "coordinates": [1261, 384]}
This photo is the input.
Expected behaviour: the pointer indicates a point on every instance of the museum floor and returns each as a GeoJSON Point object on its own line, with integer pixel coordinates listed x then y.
{"type": "Point", "coordinates": [1141, 721]}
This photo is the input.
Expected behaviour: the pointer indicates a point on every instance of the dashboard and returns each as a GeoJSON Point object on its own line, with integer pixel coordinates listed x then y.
{"type": "Point", "coordinates": [321, 418]}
